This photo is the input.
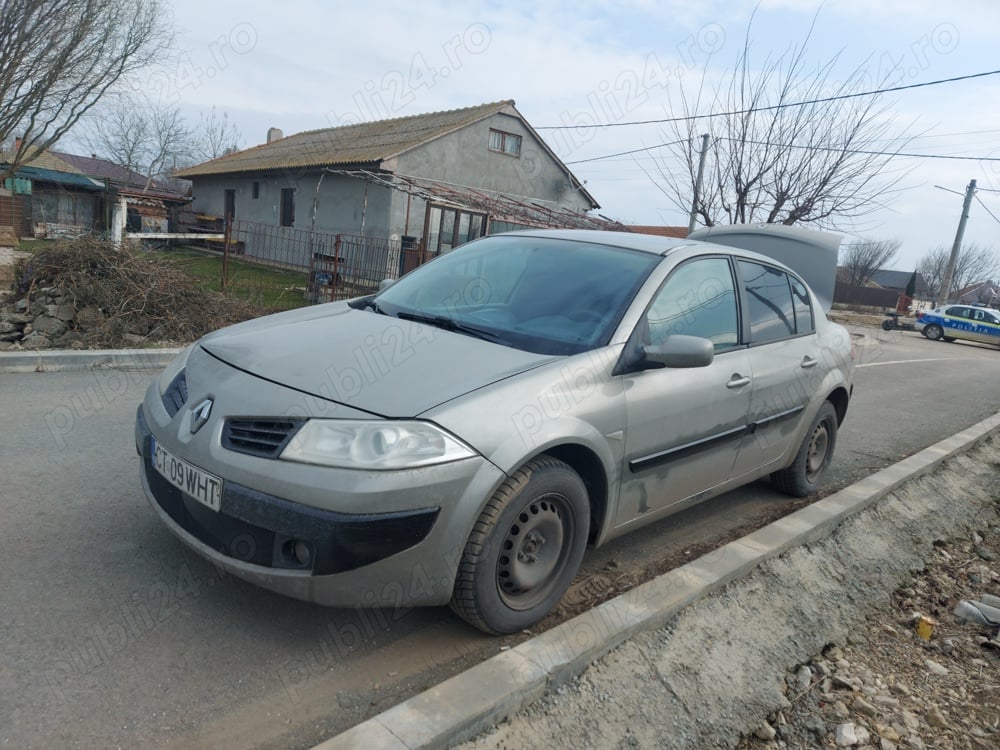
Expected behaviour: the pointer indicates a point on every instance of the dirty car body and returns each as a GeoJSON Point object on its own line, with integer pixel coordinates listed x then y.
{"type": "Point", "coordinates": [463, 435]}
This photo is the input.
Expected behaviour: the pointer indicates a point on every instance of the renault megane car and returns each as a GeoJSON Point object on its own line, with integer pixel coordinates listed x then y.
{"type": "Point", "coordinates": [464, 434]}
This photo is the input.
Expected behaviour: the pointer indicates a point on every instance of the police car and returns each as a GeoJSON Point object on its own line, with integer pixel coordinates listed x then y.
{"type": "Point", "coordinates": [951, 322]}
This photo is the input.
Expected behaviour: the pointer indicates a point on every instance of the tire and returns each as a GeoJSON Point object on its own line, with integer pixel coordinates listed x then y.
{"type": "Point", "coordinates": [805, 474]}
{"type": "Point", "coordinates": [934, 332]}
{"type": "Point", "coordinates": [524, 549]}
{"type": "Point", "coordinates": [949, 339]}
{"type": "Point", "coordinates": [886, 325]}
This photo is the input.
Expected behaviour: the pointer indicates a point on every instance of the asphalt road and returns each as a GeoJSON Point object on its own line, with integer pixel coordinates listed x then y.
{"type": "Point", "coordinates": [113, 634]}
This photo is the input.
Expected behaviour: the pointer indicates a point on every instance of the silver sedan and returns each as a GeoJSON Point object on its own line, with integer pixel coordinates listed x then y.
{"type": "Point", "coordinates": [463, 435]}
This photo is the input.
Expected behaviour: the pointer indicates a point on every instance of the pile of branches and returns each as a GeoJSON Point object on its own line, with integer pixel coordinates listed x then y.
{"type": "Point", "coordinates": [136, 293]}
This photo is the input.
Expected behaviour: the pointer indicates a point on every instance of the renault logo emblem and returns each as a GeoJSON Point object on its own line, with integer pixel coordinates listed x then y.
{"type": "Point", "coordinates": [200, 415]}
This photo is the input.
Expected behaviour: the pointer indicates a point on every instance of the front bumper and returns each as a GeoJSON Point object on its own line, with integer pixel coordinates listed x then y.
{"type": "Point", "coordinates": [405, 556]}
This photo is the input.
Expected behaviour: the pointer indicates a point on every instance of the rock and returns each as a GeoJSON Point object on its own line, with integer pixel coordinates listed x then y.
{"type": "Point", "coordinates": [6, 346]}
{"type": "Point", "coordinates": [899, 689]}
{"type": "Point", "coordinates": [911, 720]}
{"type": "Point", "coordinates": [21, 306]}
{"type": "Point", "coordinates": [48, 325]}
{"type": "Point", "coordinates": [886, 701]}
{"type": "Point", "coordinates": [12, 336]}
{"type": "Point", "coordinates": [36, 340]}
{"type": "Point", "coordinates": [935, 718]}
{"type": "Point", "coordinates": [821, 668]}
{"type": "Point", "coordinates": [7, 327]}
{"type": "Point", "coordinates": [833, 653]}
{"type": "Point", "coordinates": [863, 735]}
{"type": "Point", "coordinates": [69, 340]}
{"type": "Point", "coordinates": [803, 678]}
{"type": "Point", "coordinates": [846, 735]}
{"type": "Point", "coordinates": [985, 554]}
{"type": "Point", "coordinates": [133, 338]}
{"type": "Point", "coordinates": [18, 319]}
{"type": "Point", "coordinates": [864, 707]}
{"type": "Point", "coordinates": [841, 683]}
{"type": "Point", "coordinates": [89, 318]}
{"type": "Point", "coordinates": [65, 312]}
{"type": "Point", "coordinates": [934, 668]}
{"type": "Point", "coordinates": [884, 744]}
{"type": "Point", "coordinates": [816, 726]}
{"type": "Point", "coordinates": [765, 732]}
{"type": "Point", "coordinates": [887, 733]}
{"type": "Point", "coordinates": [947, 646]}
{"type": "Point", "coordinates": [839, 709]}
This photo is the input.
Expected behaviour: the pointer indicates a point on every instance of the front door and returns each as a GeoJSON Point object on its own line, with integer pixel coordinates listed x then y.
{"type": "Point", "coordinates": [684, 426]}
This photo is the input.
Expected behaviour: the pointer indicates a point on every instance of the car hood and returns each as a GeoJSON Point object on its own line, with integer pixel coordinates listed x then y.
{"type": "Point", "coordinates": [376, 363]}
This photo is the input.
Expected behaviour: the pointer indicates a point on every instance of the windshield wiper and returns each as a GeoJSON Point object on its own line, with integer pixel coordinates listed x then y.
{"type": "Point", "coordinates": [369, 303]}
{"type": "Point", "coordinates": [449, 324]}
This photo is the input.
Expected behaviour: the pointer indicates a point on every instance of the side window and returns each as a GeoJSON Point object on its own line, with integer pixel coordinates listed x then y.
{"type": "Point", "coordinates": [803, 309]}
{"type": "Point", "coordinates": [769, 302]}
{"type": "Point", "coordinates": [698, 299]}
{"type": "Point", "coordinates": [958, 312]}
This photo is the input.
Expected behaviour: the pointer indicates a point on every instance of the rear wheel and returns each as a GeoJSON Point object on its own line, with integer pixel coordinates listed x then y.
{"type": "Point", "coordinates": [805, 474]}
{"type": "Point", "coordinates": [525, 548]}
{"type": "Point", "coordinates": [934, 332]}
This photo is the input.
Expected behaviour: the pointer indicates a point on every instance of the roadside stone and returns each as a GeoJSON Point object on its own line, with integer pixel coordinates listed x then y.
{"type": "Point", "coordinates": [65, 312]}
{"type": "Point", "coordinates": [864, 707]}
{"type": "Point", "coordinates": [840, 710]}
{"type": "Point", "coordinates": [7, 327]}
{"type": "Point", "coordinates": [18, 319]}
{"type": "Point", "coordinates": [21, 306]}
{"type": "Point", "coordinates": [89, 317]}
{"type": "Point", "coordinates": [48, 325]}
{"type": "Point", "coordinates": [841, 683]}
{"type": "Point", "coordinates": [887, 733]}
{"type": "Point", "coordinates": [12, 336]}
{"type": "Point", "coordinates": [803, 678]}
{"type": "Point", "coordinates": [899, 689]}
{"type": "Point", "coordinates": [846, 735]}
{"type": "Point", "coordinates": [133, 338]}
{"type": "Point", "coordinates": [36, 340]}
{"type": "Point", "coordinates": [816, 726]}
{"type": "Point", "coordinates": [765, 732]}
{"type": "Point", "coordinates": [934, 668]}
{"type": "Point", "coordinates": [6, 346]}
{"type": "Point", "coordinates": [69, 340]}
{"type": "Point", "coordinates": [985, 554]}
{"type": "Point", "coordinates": [936, 719]}
{"type": "Point", "coordinates": [884, 744]}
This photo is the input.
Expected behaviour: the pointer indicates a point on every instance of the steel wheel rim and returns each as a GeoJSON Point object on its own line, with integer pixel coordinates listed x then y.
{"type": "Point", "coordinates": [819, 445]}
{"type": "Point", "coordinates": [934, 332]}
{"type": "Point", "coordinates": [534, 551]}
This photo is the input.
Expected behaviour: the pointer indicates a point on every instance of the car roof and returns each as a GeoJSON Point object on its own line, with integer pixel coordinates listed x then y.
{"type": "Point", "coordinates": [648, 243]}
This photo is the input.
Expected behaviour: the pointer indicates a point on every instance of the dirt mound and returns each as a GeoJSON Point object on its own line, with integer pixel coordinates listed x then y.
{"type": "Point", "coordinates": [86, 292]}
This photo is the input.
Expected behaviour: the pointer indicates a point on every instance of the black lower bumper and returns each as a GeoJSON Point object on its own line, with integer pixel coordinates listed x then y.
{"type": "Point", "coordinates": [270, 531]}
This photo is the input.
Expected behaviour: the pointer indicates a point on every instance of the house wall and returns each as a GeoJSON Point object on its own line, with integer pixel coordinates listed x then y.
{"type": "Point", "coordinates": [341, 204]}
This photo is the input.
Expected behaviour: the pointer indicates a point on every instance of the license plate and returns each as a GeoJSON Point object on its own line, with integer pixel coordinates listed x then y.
{"type": "Point", "coordinates": [204, 487]}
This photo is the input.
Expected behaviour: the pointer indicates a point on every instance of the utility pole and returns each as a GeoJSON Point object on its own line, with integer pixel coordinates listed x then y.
{"type": "Point", "coordinates": [697, 182]}
{"type": "Point", "coordinates": [957, 246]}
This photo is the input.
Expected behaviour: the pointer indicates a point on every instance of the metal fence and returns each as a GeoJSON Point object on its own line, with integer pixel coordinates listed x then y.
{"type": "Point", "coordinates": [283, 267]}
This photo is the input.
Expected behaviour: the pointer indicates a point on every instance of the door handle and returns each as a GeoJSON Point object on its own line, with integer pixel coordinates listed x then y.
{"type": "Point", "coordinates": [738, 381]}
{"type": "Point", "coordinates": [808, 362]}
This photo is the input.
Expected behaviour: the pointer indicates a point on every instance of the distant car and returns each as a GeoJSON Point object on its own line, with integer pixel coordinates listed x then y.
{"type": "Point", "coordinates": [461, 436]}
{"type": "Point", "coordinates": [951, 322]}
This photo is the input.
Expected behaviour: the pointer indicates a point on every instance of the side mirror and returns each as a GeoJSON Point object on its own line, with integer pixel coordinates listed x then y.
{"type": "Point", "coordinates": [385, 284]}
{"type": "Point", "coordinates": [681, 351]}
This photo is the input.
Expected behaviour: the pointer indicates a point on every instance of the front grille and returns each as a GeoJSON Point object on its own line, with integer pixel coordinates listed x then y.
{"type": "Point", "coordinates": [259, 436]}
{"type": "Point", "coordinates": [176, 394]}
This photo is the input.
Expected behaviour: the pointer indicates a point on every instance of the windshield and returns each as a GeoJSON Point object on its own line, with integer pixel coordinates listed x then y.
{"type": "Point", "coordinates": [538, 294]}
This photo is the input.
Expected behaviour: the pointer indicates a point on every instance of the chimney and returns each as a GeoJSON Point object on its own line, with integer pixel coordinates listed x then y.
{"type": "Point", "coordinates": [274, 134]}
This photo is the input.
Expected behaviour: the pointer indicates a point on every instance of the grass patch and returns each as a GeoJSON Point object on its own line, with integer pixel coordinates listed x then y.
{"type": "Point", "coordinates": [265, 287]}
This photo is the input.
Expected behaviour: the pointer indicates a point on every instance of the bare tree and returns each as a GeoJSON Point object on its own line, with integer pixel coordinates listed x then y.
{"type": "Point", "coordinates": [139, 134]}
{"type": "Point", "coordinates": [864, 257]}
{"type": "Point", "coordinates": [773, 160]}
{"type": "Point", "coordinates": [58, 58]}
{"type": "Point", "coordinates": [214, 136]}
{"type": "Point", "coordinates": [975, 263]}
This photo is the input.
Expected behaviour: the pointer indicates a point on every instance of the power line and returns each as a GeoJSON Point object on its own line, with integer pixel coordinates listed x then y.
{"type": "Point", "coordinates": [988, 209]}
{"type": "Point", "coordinates": [626, 153]}
{"type": "Point", "coordinates": [808, 148]}
{"type": "Point", "coordinates": [839, 97]}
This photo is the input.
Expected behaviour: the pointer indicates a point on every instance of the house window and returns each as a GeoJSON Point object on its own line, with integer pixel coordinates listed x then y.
{"type": "Point", "coordinates": [229, 205]}
{"type": "Point", "coordinates": [288, 207]}
{"type": "Point", "coordinates": [255, 191]}
{"type": "Point", "coordinates": [505, 143]}
{"type": "Point", "coordinates": [447, 228]}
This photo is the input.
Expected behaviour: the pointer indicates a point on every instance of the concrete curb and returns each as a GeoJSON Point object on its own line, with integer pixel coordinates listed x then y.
{"type": "Point", "coordinates": [470, 702]}
{"type": "Point", "coordinates": [91, 359]}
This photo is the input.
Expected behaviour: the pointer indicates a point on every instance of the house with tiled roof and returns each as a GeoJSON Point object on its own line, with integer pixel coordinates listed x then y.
{"type": "Point", "coordinates": [58, 194]}
{"type": "Point", "coordinates": [442, 178]}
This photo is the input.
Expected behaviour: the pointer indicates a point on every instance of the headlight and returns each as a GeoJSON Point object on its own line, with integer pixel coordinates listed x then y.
{"type": "Point", "coordinates": [172, 369]}
{"type": "Point", "coordinates": [373, 445]}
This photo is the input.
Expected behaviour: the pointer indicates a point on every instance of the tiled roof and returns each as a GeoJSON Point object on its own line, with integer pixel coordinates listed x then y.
{"type": "Point", "coordinates": [364, 143]}
{"type": "Point", "coordinates": [45, 160]}
{"type": "Point", "coordinates": [102, 169]}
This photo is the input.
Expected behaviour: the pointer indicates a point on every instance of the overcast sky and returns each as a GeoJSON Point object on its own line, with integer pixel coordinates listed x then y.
{"type": "Point", "coordinates": [305, 64]}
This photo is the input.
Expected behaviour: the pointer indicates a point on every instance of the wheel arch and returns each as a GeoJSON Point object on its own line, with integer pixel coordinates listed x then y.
{"type": "Point", "coordinates": [840, 398]}
{"type": "Point", "coordinates": [588, 465]}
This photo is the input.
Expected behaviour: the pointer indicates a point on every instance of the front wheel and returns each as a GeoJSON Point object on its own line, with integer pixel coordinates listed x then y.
{"type": "Point", "coordinates": [934, 332]}
{"type": "Point", "coordinates": [803, 477]}
{"type": "Point", "coordinates": [524, 549]}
